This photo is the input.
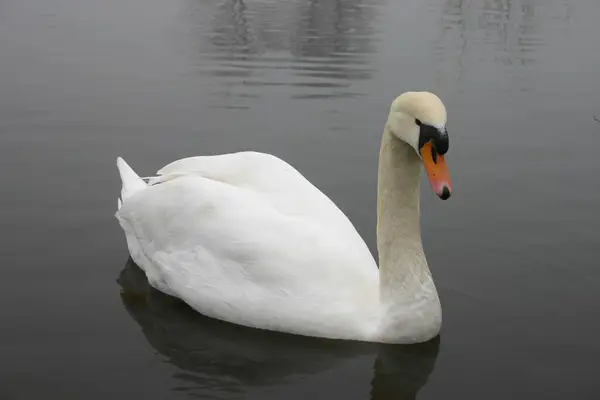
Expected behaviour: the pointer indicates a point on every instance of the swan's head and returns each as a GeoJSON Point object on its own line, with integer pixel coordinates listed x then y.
{"type": "Point", "coordinates": [419, 119]}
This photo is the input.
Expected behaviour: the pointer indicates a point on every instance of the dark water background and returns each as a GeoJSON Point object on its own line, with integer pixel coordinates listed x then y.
{"type": "Point", "coordinates": [514, 252]}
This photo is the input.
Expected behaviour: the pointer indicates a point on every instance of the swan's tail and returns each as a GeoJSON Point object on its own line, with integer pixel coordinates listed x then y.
{"type": "Point", "coordinates": [132, 183]}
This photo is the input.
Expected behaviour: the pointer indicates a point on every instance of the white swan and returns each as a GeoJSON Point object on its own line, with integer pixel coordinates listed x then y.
{"type": "Point", "coordinates": [245, 238]}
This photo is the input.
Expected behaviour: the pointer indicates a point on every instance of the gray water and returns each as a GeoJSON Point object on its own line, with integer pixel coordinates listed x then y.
{"type": "Point", "coordinates": [514, 252]}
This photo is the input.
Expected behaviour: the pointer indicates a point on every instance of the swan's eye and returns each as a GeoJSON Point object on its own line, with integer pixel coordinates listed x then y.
{"type": "Point", "coordinates": [418, 122]}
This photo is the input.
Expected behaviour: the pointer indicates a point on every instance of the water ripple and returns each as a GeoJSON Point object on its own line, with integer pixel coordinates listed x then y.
{"type": "Point", "coordinates": [509, 33]}
{"type": "Point", "coordinates": [315, 45]}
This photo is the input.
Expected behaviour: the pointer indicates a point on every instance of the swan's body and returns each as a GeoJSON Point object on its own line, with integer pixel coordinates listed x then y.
{"type": "Point", "coordinates": [245, 238]}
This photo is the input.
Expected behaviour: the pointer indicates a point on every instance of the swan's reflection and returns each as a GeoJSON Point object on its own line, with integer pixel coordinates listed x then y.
{"type": "Point", "coordinates": [218, 359]}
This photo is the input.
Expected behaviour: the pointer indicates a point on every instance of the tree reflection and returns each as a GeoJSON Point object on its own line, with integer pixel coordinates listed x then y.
{"type": "Point", "coordinates": [319, 47]}
{"type": "Point", "coordinates": [505, 32]}
{"type": "Point", "coordinates": [333, 27]}
{"type": "Point", "coordinates": [232, 31]}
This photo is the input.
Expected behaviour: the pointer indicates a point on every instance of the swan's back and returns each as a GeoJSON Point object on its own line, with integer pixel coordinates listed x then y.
{"type": "Point", "coordinates": [279, 184]}
{"type": "Point", "coordinates": [246, 238]}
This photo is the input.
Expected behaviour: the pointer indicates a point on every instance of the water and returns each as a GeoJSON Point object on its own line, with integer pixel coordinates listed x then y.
{"type": "Point", "coordinates": [514, 252]}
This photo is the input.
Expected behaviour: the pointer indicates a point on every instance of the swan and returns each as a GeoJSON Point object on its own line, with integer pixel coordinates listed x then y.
{"type": "Point", "coordinates": [245, 238]}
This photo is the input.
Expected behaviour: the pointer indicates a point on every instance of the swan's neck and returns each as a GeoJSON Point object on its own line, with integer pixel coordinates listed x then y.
{"type": "Point", "coordinates": [406, 287]}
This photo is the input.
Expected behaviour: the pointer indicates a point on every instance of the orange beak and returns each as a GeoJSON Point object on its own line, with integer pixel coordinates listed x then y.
{"type": "Point", "coordinates": [437, 171]}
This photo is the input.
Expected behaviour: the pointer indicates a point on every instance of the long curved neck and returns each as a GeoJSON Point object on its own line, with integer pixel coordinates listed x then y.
{"type": "Point", "coordinates": [403, 270]}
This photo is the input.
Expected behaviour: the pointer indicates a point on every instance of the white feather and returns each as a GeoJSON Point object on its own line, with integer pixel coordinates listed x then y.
{"type": "Point", "coordinates": [247, 239]}
{"type": "Point", "coordinates": [132, 183]}
{"type": "Point", "coordinates": [242, 245]}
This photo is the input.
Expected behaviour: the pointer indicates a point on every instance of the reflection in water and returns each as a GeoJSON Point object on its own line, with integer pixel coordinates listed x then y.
{"type": "Point", "coordinates": [496, 33]}
{"type": "Point", "coordinates": [223, 359]}
{"type": "Point", "coordinates": [232, 30]}
{"type": "Point", "coordinates": [333, 28]}
{"type": "Point", "coordinates": [319, 47]}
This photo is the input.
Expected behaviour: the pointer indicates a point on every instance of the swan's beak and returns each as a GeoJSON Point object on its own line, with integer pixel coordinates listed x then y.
{"type": "Point", "coordinates": [437, 171]}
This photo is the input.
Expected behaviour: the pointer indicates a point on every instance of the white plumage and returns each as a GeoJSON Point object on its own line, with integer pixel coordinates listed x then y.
{"type": "Point", "coordinates": [245, 238]}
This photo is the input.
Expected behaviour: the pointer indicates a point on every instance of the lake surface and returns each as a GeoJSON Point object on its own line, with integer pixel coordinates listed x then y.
{"type": "Point", "coordinates": [515, 251]}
